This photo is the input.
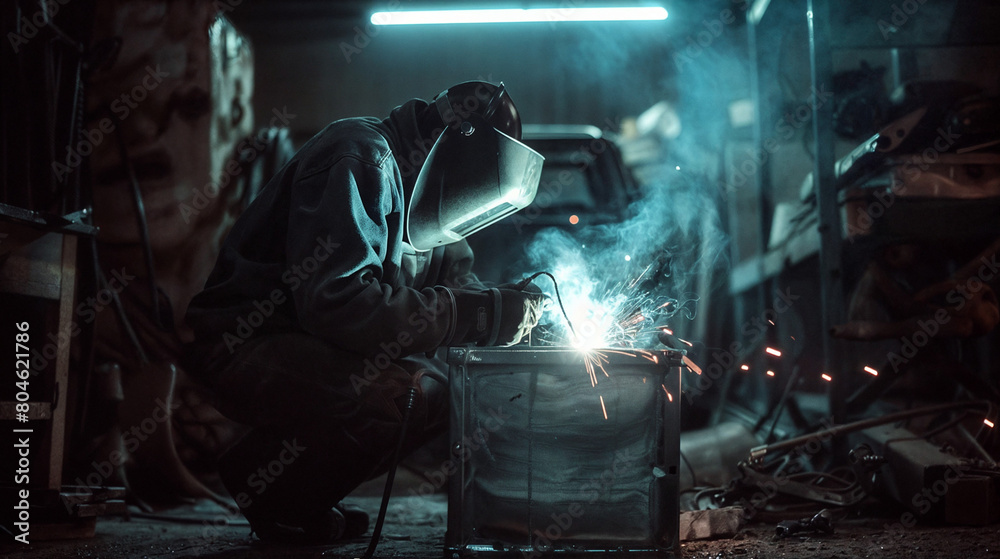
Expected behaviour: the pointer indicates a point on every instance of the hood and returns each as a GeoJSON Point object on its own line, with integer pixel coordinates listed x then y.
{"type": "Point", "coordinates": [412, 129]}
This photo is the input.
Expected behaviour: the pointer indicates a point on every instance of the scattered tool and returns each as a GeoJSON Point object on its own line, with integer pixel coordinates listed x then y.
{"type": "Point", "coordinates": [822, 521]}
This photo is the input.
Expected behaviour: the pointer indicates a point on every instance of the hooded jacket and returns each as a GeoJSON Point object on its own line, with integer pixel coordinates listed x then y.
{"type": "Point", "coordinates": [321, 250]}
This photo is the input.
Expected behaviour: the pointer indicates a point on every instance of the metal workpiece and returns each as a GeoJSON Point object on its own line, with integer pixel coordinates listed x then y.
{"type": "Point", "coordinates": [547, 461]}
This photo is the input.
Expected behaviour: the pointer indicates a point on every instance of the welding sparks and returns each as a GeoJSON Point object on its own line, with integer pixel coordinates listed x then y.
{"type": "Point", "coordinates": [592, 361]}
{"type": "Point", "coordinates": [745, 367]}
{"type": "Point", "coordinates": [604, 409]}
{"type": "Point", "coordinates": [771, 321]}
{"type": "Point", "coordinates": [772, 351]}
{"type": "Point", "coordinates": [770, 373]}
{"type": "Point", "coordinates": [635, 281]}
{"type": "Point", "coordinates": [670, 397]}
{"type": "Point", "coordinates": [871, 371]}
{"type": "Point", "coordinates": [988, 423]}
{"type": "Point", "coordinates": [690, 365]}
{"type": "Point", "coordinates": [628, 258]}
{"type": "Point", "coordinates": [826, 377]}
{"type": "Point", "coordinates": [609, 313]}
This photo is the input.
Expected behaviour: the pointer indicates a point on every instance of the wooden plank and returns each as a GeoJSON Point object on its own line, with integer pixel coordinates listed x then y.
{"type": "Point", "coordinates": [58, 424]}
{"type": "Point", "coordinates": [35, 269]}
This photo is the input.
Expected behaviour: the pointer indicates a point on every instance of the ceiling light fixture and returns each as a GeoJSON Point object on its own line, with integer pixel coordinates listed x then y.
{"type": "Point", "coordinates": [552, 15]}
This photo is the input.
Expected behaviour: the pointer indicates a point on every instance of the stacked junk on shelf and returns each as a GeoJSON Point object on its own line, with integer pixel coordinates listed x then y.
{"type": "Point", "coordinates": [920, 204]}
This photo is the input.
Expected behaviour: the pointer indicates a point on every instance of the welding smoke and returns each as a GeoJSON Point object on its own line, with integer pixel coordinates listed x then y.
{"type": "Point", "coordinates": [617, 281]}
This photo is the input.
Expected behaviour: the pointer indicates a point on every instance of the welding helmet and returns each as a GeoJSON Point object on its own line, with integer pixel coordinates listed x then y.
{"type": "Point", "coordinates": [477, 172]}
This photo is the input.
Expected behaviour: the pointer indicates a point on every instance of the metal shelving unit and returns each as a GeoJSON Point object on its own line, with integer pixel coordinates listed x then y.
{"type": "Point", "coordinates": [822, 246]}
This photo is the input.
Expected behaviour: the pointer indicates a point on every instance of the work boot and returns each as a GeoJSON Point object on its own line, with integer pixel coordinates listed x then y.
{"type": "Point", "coordinates": [324, 528]}
{"type": "Point", "coordinates": [355, 520]}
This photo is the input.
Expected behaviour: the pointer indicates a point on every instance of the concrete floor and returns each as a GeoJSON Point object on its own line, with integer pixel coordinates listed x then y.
{"type": "Point", "coordinates": [415, 529]}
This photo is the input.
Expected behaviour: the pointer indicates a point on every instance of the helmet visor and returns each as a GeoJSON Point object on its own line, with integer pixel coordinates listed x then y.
{"type": "Point", "coordinates": [473, 177]}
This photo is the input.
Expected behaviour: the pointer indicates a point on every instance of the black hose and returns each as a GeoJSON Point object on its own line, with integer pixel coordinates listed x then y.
{"type": "Point", "coordinates": [377, 531]}
{"type": "Point", "coordinates": [140, 210]}
{"type": "Point", "coordinates": [758, 453]}
{"type": "Point", "coordinates": [524, 283]}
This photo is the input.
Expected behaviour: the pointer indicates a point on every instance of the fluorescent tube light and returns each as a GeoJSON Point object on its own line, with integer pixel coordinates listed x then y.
{"type": "Point", "coordinates": [518, 15]}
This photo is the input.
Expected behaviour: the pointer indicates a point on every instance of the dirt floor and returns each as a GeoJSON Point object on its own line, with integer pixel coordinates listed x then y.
{"type": "Point", "coordinates": [415, 529]}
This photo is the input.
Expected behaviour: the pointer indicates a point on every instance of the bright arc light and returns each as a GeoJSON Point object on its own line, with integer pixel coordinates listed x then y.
{"type": "Point", "coordinates": [514, 15]}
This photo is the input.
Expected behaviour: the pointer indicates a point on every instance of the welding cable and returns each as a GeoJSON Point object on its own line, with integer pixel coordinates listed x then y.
{"type": "Point", "coordinates": [524, 283]}
{"type": "Point", "coordinates": [780, 407]}
{"type": "Point", "coordinates": [140, 210]}
{"type": "Point", "coordinates": [758, 453]}
{"type": "Point", "coordinates": [377, 531]}
{"type": "Point", "coordinates": [694, 477]}
{"type": "Point", "coordinates": [119, 307]}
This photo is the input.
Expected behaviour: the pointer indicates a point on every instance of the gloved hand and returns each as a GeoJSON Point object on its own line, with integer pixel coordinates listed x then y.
{"type": "Point", "coordinates": [520, 311]}
{"type": "Point", "coordinates": [500, 316]}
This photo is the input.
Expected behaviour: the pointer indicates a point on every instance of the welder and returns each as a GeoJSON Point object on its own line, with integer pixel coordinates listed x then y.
{"type": "Point", "coordinates": [334, 291]}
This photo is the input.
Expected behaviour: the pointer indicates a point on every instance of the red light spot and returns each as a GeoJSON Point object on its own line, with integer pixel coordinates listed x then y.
{"type": "Point", "coordinates": [574, 219]}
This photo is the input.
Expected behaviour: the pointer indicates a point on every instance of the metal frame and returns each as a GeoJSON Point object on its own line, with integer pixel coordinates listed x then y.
{"type": "Point", "coordinates": [659, 367]}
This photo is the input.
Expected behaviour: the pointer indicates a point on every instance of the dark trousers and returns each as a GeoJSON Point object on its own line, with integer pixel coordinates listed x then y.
{"type": "Point", "coordinates": [323, 421]}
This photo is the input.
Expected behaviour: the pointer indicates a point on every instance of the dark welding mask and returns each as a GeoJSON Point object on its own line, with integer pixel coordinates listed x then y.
{"type": "Point", "coordinates": [477, 172]}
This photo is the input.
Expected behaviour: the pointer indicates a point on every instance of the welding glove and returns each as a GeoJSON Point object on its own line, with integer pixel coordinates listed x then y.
{"type": "Point", "coordinates": [501, 316]}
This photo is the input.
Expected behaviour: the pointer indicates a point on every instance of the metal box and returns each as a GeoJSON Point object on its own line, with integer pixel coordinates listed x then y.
{"type": "Point", "coordinates": [545, 462]}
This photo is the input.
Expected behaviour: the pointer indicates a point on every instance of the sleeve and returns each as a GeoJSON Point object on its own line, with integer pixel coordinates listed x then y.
{"type": "Point", "coordinates": [456, 267]}
{"type": "Point", "coordinates": [337, 239]}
